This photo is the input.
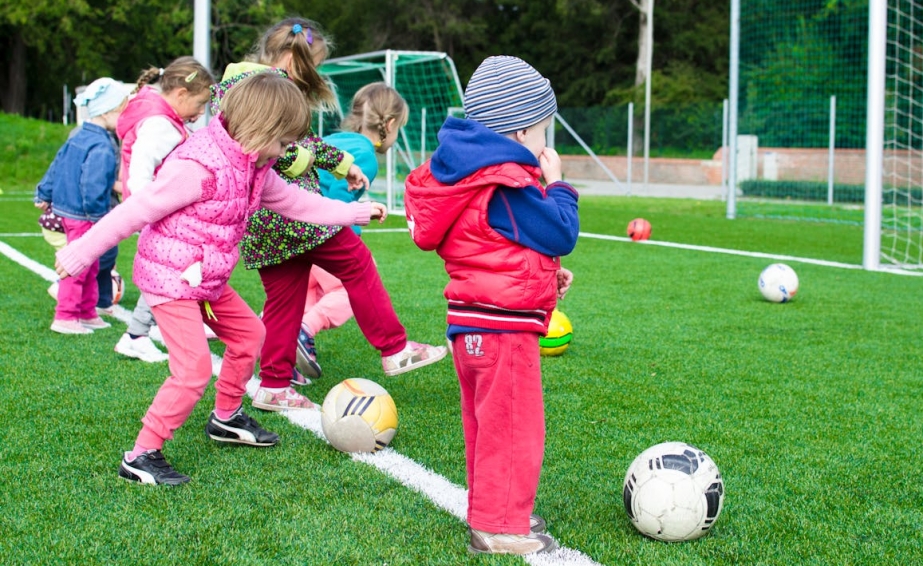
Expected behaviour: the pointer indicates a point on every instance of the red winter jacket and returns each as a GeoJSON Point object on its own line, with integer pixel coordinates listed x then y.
{"type": "Point", "coordinates": [494, 283]}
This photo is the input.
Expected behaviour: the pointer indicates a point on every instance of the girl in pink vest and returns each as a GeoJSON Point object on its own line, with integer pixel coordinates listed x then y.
{"type": "Point", "coordinates": [150, 127]}
{"type": "Point", "coordinates": [191, 218]}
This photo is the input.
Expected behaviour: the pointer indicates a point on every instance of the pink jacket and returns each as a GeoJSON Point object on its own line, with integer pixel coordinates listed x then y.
{"type": "Point", "coordinates": [195, 213]}
{"type": "Point", "coordinates": [145, 104]}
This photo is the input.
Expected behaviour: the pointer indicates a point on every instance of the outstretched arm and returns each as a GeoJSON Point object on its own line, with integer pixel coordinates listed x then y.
{"type": "Point", "coordinates": [178, 184]}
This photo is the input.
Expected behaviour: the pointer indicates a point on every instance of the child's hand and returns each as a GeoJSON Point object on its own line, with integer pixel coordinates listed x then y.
{"type": "Point", "coordinates": [62, 273]}
{"type": "Point", "coordinates": [43, 205]}
{"type": "Point", "coordinates": [565, 278]}
{"type": "Point", "coordinates": [550, 162]}
{"type": "Point", "coordinates": [356, 179]}
{"type": "Point", "coordinates": [379, 211]}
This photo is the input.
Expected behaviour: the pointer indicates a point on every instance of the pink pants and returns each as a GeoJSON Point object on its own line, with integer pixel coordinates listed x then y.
{"type": "Point", "coordinates": [78, 294]}
{"type": "Point", "coordinates": [347, 258]}
{"type": "Point", "coordinates": [503, 418]}
{"type": "Point", "coordinates": [327, 304]}
{"type": "Point", "coordinates": [180, 323]}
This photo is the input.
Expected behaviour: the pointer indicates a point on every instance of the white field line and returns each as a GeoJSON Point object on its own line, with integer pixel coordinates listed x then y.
{"type": "Point", "coordinates": [775, 257]}
{"type": "Point", "coordinates": [436, 488]}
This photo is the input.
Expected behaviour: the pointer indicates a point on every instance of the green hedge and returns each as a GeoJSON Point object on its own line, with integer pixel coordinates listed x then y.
{"type": "Point", "coordinates": [817, 191]}
{"type": "Point", "coordinates": [802, 190]}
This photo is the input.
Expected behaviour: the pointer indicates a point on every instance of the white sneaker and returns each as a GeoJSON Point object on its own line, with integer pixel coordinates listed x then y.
{"type": "Point", "coordinates": [155, 334]}
{"type": "Point", "coordinates": [70, 327]}
{"type": "Point", "coordinates": [498, 543]}
{"type": "Point", "coordinates": [95, 323]}
{"type": "Point", "coordinates": [413, 356]}
{"type": "Point", "coordinates": [286, 399]}
{"type": "Point", "coordinates": [142, 348]}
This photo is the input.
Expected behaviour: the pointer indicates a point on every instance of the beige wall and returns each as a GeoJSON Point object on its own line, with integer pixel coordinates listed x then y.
{"type": "Point", "coordinates": [789, 165]}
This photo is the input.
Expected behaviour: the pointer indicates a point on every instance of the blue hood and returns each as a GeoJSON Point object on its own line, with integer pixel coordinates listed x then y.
{"type": "Point", "coordinates": [466, 146]}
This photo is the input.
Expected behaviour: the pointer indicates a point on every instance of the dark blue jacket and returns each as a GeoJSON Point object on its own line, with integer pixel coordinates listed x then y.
{"type": "Point", "coordinates": [79, 181]}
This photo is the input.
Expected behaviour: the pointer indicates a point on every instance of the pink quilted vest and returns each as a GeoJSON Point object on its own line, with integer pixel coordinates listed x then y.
{"type": "Point", "coordinates": [205, 232]}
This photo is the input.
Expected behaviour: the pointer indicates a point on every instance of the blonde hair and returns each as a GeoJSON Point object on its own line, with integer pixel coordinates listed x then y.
{"type": "Point", "coordinates": [374, 105]}
{"type": "Point", "coordinates": [184, 72]}
{"type": "Point", "coordinates": [263, 108]}
{"type": "Point", "coordinates": [281, 39]}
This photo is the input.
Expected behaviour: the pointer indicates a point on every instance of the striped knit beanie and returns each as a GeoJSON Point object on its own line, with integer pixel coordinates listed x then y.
{"type": "Point", "coordinates": [506, 95]}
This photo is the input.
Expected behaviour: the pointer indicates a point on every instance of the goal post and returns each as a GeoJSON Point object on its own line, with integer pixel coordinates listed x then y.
{"type": "Point", "coordinates": [896, 111]}
{"type": "Point", "coordinates": [429, 83]}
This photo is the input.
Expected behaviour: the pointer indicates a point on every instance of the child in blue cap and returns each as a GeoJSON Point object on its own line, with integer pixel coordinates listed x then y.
{"type": "Point", "coordinates": [77, 187]}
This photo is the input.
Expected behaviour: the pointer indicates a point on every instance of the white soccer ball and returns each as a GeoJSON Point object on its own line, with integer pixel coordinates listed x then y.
{"type": "Point", "coordinates": [673, 492]}
{"type": "Point", "coordinates": [778, 283]}
{"type": "Point", "coordinates": [358, 415]}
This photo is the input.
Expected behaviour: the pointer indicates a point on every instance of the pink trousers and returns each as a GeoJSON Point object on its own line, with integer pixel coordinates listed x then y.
{"type": "Point", "coordinates": [327, 304]}
{"type": "Point", "coordinates": [180, 322]}
{"type": "Point", "coordinates": [78, 294]}
{"type": "Point", "coordinates": [503, 418]}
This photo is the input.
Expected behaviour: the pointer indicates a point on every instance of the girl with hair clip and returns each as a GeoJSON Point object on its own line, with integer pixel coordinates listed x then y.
{"type": "Point", "coordinates": [152, 125]}
{"type": "Point", "coordinates": [192, 217]}
{"type": "Point", "coordinates": [284, 250]}
{"type": "Point", "coordinates": [377, 114]}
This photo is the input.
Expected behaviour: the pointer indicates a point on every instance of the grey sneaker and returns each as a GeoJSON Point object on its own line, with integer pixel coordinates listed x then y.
{"type": "Point", "coordinates": [483, 542]}
{"type": "Point", "coordinates": [241, 428]}
{"type": "Point", "coordinates": [306, 355]}
{"type": "Point", "coordinates": [537, 524]}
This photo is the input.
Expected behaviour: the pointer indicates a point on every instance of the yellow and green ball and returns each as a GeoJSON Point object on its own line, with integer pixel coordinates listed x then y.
{"type": "Point", "coordinates": [560, 334]}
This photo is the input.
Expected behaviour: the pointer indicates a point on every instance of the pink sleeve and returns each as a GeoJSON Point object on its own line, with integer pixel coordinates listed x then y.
{"type": "Point", "coordinates": [178, 184]}
{"type": "Point", "coordinates": [297, 204]}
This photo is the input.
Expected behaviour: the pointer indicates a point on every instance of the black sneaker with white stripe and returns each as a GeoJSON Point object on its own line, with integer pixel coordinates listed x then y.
{"type": "Point", "coordinates": [241, 428]}
{"type": "Point", "coordinates": [151, 468]}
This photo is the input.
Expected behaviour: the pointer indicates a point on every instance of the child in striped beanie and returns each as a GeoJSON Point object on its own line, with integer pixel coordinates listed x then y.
{"type": "Point", "coordinates": [493, 205]}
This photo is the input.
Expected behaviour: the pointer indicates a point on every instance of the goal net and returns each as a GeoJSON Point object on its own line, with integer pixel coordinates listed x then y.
{"type": "Point", "coordinates": [801, 110]}
{"type": "Point", "coordinates": [428, 82]}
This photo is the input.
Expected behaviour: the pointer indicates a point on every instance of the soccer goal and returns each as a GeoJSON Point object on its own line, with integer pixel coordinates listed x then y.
{"type": "Point", "coordinates": [827, 119]}
{"type": "Point", "coordinates": [428, 82]}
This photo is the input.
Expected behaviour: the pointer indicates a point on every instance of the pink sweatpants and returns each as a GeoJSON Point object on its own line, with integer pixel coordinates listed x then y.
{"type": "Point", "coordinates": [180, 323]}
{"type": "Point", "coordinates": [503, 418]}
{"type": "Point", "coordinates": [78, 294]}
{"type": "Point", "coordinates": [327, 304]}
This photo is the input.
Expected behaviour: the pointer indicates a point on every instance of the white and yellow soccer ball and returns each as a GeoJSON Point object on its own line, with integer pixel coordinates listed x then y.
{"type": "Point", "coordinates": [778, 283]}
{"type": "Point", "coordinates": [358, 415]}
{"type": "Point", "coordinates": [673, 492]}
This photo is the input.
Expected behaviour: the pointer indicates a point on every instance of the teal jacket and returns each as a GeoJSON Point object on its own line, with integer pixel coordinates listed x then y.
{"type": "Point", "coordinates": [361, 148]}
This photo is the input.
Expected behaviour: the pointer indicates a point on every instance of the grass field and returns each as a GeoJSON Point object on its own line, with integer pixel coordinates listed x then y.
{"type": "Point", "coordinates": [810, 409]}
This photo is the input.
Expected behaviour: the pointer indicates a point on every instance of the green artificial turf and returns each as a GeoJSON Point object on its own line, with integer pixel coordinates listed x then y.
{"type": "Point", "coordinates": [810, 410]}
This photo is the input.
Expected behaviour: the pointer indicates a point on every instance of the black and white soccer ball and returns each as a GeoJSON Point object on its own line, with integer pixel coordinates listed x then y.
{"type": "Point", "coordinates": [673, 492]}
